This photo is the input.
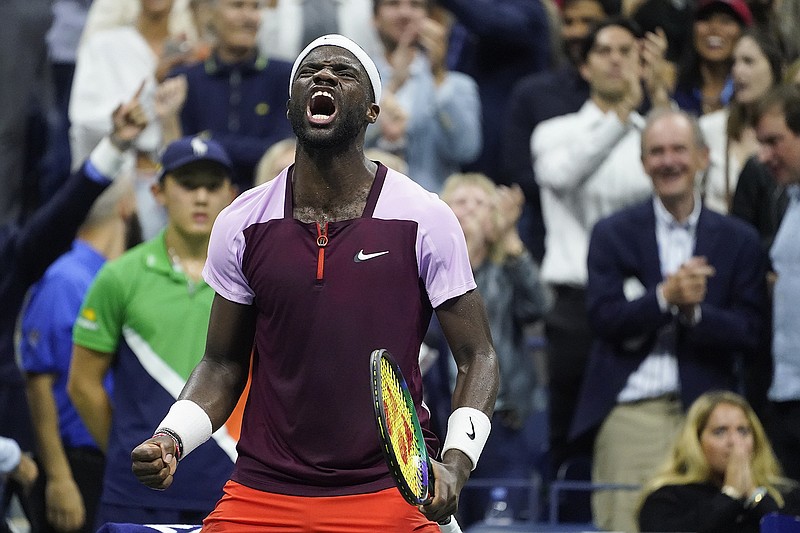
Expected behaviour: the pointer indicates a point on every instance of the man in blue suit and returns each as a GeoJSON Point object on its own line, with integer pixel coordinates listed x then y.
{"type": "Point", "coordinates": [676, 295]}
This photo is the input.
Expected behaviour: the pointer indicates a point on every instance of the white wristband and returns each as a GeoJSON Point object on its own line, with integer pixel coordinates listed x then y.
{"type": "Point", "coordinates": [107, 159]}
{"type": "Point", "coordinates": [190, 422]}
{"type": "Point", "coordinates": [467, 431]}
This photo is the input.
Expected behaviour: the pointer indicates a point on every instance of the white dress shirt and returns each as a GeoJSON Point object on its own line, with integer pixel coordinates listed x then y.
{"type": "Point", "coordinates": [588, 166]}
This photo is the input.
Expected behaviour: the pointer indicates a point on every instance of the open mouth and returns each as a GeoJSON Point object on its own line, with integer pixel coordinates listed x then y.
{"type": "Point", "coordinates": [321, 108]}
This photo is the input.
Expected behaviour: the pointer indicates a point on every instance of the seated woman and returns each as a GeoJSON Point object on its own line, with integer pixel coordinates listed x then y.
{"type": "Point", "coordinates": [722, 475]}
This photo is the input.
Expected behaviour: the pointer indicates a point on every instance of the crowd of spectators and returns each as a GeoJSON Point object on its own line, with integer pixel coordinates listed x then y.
{"type": "Point", "coordinates": [625, 172]}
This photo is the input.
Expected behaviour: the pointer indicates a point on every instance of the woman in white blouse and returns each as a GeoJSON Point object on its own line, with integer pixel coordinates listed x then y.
{"type": "Point", "coordinates": [757, 67]}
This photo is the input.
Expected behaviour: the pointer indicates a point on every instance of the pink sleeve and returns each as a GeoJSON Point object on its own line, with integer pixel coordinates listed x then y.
{"type": "Point", "coordinates": [442, 254]}
{"type": "Point", "coordinates": [223, 268]}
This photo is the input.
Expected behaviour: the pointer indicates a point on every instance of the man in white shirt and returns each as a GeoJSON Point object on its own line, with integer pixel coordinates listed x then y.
{"type": "Point", "coordinates": [676, 295]}
{"type": "Point", "coordinates": [587, 166]}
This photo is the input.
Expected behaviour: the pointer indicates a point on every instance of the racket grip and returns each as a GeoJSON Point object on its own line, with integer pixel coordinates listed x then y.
{"type": "Point", "coordinates": [451, 526]}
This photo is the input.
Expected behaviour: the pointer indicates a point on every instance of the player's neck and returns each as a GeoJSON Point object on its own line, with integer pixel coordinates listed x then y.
{"type": "Point", "coordinates": [329, 193]}
{"type": "Point", "coordinates": [320, 180]}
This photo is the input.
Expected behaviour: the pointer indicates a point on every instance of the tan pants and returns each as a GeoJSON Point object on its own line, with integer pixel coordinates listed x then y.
{"type": "Point", "coordinates": [633, 442]}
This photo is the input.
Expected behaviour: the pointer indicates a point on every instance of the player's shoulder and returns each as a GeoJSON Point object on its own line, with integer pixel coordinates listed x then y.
{"type": "Point", "coordinates": [253, 206]}
{"type": "Point", "coordinates": [401, 193]}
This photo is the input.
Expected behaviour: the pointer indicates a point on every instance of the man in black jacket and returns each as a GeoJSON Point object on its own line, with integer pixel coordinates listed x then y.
{"type": "Point", "coordinates": [29, 247]}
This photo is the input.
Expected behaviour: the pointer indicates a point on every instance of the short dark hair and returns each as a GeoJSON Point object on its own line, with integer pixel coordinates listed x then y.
{"type": "Point", "coordinates": [377, 3]}
{"type": "Point", "coordinates": [784, 98]}
{"type": "Point", "coordinates": [622, 22]}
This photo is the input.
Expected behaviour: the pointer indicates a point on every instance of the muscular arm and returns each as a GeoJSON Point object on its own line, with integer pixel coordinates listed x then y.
{"type": "Point", "coordinates": [215, 385]}
{"type": "Point", "coordinates": [219, 378]}
{"type": "Point", "coordinates": [466, 327]}
{"type": "Point", "coordinates": [85, 388]}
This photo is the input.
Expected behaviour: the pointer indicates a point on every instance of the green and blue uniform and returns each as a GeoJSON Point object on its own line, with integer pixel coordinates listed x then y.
{"type": "Point", "coordinates": [155, 321]}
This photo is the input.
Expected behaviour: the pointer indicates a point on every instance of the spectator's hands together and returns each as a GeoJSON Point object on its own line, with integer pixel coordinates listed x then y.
{"type": "Point", "coordinates": [739, 474]}
{"type": "Point", "coordinates": [686, 288]}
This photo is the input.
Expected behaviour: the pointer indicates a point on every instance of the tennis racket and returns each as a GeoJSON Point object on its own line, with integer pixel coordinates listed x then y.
{"type": "Point", "coordinates": [401, 435]}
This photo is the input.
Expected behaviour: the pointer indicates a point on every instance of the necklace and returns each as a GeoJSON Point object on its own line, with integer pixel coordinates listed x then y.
{"type": "Point", "coordinates": [192, 275]}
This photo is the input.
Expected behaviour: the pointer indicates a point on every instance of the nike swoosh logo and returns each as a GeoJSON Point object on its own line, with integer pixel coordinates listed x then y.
{"type": "Point", "coordinates": [472, 426]}
{"type": "Point", "coordinates": [361, 256]}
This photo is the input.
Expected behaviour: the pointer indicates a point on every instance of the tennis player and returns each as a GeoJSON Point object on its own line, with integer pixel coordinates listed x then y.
{"type": "Point", "coordinates": [335, 257]}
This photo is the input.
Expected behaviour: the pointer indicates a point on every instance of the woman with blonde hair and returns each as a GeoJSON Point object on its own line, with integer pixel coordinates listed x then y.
{"type": "Point", "coordinates": [508, 279]}
{"type": "Point", "coordinates": [721, 476]}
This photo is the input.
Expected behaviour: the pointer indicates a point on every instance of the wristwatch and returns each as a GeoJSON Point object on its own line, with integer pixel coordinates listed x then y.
{"type": "Point", "coordinates": [755, 497]}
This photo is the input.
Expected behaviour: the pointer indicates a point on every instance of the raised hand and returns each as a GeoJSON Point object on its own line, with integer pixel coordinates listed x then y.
{"type": "Point", "coordinates": [656, 70]}
{"type": "Point", "coordinates": [129, 120]}
{"type": "Point", "coordinates": [170, 96]}
{"type": "Point", "coordinates": [433, 40]}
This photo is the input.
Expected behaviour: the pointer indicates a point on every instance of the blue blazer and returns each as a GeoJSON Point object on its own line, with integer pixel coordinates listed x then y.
{"type": "Point", "coordinates": [624, 246]}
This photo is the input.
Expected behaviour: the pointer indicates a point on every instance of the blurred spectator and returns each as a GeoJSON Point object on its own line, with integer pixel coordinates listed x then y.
{"type": "Point", "coordinates": [237, 97]}
{"type": "Point", "coordinates": [676, 294]}
{"type": "Point", "coordinates": [430, 116]}
{"type": "Point", "coordinates": [289, 25]}
{"type": "Point", "coordinates": [69, 17]}
{"type": "Point", "coordinates": [778, 131]}
{"type": "Point", "coordinates": [108, 14]}
{"type": "Point", "coordinates": [127, 324]}
{"type": "Point", "coordinates": [277, 157]}
{"type": "Point", "coordinates": [390, 160]}
{"type": "Point", "coordinates": [787, 17]}
{"type": "Point", "coordinates": [673, 16]}
{"type": "Point", "coordinates": [504, 41]}
{"type": "Point", "coordinates": [68, 493]}
{"type": "Point", "coordinates": [721, 474]}
{"type": "Point", "coordinates": [508, 280]}
{"type": "Point", "coordinates": [111, 64]}
{"type": "Point", "coordinates": [27, 249]}
{"type": "Point", "coordinates": [16, 465]}
{"type": "Point", "coordinates": [729, 133]}
{"type": "Point", "coordinates": [22, 56]}
{"type": "Point", "coordinates": [537, 97]}
{"type": "Point", "coordinates": [587, 166]}
{"type": "Point", "coordinates": [704, 83]}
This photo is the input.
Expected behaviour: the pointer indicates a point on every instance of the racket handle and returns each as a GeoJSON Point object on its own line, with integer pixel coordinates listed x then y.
{"type": "Point", "coordinates": [451, 526]}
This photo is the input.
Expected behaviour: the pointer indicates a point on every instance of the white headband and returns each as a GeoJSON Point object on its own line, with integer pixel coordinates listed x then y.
{"type": "Point", "coordinates": [341, 41]}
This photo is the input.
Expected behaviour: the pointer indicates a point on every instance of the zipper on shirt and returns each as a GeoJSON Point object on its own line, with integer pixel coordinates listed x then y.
{"type": "Point", "coordinates": [322, 242]}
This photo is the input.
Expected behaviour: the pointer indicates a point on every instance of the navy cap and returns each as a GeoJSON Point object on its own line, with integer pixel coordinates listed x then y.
{"type": "Point", "coordinates": [191, 149]}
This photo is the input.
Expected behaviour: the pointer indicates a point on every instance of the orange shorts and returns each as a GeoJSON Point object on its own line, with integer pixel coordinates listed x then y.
{"type": "Point", "coordinates": [243, 509]}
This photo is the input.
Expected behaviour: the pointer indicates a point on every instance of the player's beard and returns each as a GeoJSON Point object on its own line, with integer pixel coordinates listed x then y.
{"type": "Point", "coordinates": [340, 134]}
